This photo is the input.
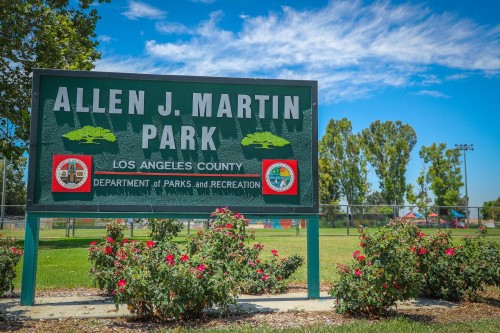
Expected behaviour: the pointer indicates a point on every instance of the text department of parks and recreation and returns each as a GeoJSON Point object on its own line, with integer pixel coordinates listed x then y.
{"type": "Point", "coordinates": [204, 105]}
{"type": "Point", "coordinates": [156, 167]}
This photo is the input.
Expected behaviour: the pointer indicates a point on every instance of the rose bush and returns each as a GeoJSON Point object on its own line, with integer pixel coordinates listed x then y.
{"type": "Point", "coordinates": [400, 262]}
{"type": "Point", "coordinates": [10, 255]}
{"type": "Point", "coordinates": [458, 272]}
{"type": "Point", "coordinates": [102, 255]}
{"type": "Point", "coordinates": [225, 241]}
{"type": "Point", "coordinates": [157, 278]}
{"type": "Point", "coordinates": [383, 271]}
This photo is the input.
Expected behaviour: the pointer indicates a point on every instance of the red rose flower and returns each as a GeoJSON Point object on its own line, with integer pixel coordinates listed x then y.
{"type": "Point", "coordinates": [422, 252]}
{"type": "Point", "coordinates": [93, 243]}
{"type": "Point", "coordinates": [110, 240]}
{"type": "Point", "coordinates": [274, 252]}
{"type": "Point", "coordinates": [229, 226]}
{"type": "Point", "coordinates": [360, 258]}
{"type": "Point", "coordinates": [122, 283]}
{"type": "Point", "coordinates": [355, 254]}
{"type": "Point", "coordinates": [265, 277]}
{"type": "Point", "coordinates": [358, 272]}
{"type": "Point", "coordinates": [184, 258]}
{"type": "Point", "coordinates": [201, 268]}
{"type": "Point", "coordinates": [450, 251]}
{"type": "Point", "coordinates": [108, 250]}
{"type": "Point", "coordinates": [150, 244]}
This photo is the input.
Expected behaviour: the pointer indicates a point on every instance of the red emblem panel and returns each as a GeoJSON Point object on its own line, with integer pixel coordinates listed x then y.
{"type": "Point", "coordinates": [280, 177]}
{"type": "Point", "coordinates": [72, 173]}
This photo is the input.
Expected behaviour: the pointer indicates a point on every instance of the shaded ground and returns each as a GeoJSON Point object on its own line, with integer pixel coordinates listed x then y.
{"type": "Point", "coordinates": [488, 307]}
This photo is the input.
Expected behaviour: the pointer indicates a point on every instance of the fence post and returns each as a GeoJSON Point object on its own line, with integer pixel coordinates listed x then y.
{"type": "Point", "coordinates": [30, 260]}
{"type": "Point", "coordinates": [313, 257]}
{"type": "Point", "coordinates": [479, 218]}
{"type": "Point", "coordinates": [74, 226]}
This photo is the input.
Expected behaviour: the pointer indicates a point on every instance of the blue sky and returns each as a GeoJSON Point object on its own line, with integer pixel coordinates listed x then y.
{"type": "Point", "coordinates": [432, 64]}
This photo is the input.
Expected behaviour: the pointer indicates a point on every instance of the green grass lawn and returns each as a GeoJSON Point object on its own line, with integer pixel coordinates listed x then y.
{"type": "Point", "coordinates": [62, 262]}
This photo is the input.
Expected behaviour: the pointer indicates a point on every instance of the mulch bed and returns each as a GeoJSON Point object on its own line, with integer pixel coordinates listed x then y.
{"type": "Point", "coordinates": [488, 307]}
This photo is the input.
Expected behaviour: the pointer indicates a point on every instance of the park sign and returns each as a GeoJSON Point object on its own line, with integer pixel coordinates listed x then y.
{"type": "Point", "coordinates": [115, 142]}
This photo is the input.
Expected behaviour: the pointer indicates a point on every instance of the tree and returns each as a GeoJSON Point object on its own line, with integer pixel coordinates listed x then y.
{"type": "Point", "coordinates": [88, 134]}
{"type": "Point", "coordinates": [15, 188]}
{"type": "Point", "coordinates": [375, 199]}
{"type": "Point", "coordinates": [266, 140]}
{"type": "Point", "coordinates": [387, 146]}
{"type": "Point", "coordinates": [491, 210]}
{"type": "Point", "coordinates": [329, 192]}
{"type": "Point", "coordinates": [38, 34]}
{"type": "Point", "coordinates": [443, 174]}
{"type": "Point", "coordinates": [342, 150]}
{"type": "Point", "coordinates": [420, 196]}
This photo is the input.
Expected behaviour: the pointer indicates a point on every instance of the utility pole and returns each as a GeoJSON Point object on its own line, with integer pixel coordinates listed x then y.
{"type": "Point", "coordinates": [464, 148]}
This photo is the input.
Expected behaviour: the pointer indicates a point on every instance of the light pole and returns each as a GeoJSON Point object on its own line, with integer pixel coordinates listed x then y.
{"type": "Point", "coordinates": [466, 147]}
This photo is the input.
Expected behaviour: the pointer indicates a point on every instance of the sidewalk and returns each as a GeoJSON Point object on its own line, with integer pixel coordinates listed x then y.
{"type": "Point", "coordinates": [103, 307]}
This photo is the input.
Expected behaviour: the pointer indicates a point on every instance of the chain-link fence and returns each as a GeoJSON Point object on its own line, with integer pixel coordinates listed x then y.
{"type": "Point", "coordinates": [331, 216]}
{"type": "Point", "coordinates": [456, 217]}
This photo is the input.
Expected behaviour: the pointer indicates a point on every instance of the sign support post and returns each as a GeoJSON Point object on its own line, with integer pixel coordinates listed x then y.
{"type": "Point", "coordinates": [30, 259]}
{"type": "Point", "coordinates": [313, 257]}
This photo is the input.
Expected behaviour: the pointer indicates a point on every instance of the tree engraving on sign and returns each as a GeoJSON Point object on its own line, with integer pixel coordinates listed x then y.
{"type": "Point", "coordinates": [264, 140]}
{"type": "Point", "coordinates": [88, 135]}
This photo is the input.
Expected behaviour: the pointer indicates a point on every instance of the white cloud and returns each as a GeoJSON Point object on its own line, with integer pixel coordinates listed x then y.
{"type": "Point", "coordinates": [352, 49]}
{"type": "Point", "coordinates": [204, 1]}
{"type": "Point", "coordinates": [432, 93]}
{"type": "Point", "coordinates": [457, 77]}
{"type": "Point", "coordinates": [137, 9]}
{"type": "Point", "coordinates": [105, 38]}
{"type": "Point", "coordinates": [168, 28]}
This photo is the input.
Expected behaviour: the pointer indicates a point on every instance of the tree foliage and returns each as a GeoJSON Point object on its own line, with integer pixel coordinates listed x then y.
{"type": "Point", "coordinates": [329, 191]}
{"type": "Point", "coordinates": [443, 173]}
{"type": "Point", "coordinates": [341, 149]}
{"type": "Point", "coordinates": [491, 210]}
{"type": "Point", "coordinates": [38, 34]}
{"type": "Point", "coordinates": [265, 140]}
{"type": "Point", "coordinates": [88, 134]}
{"type": "Point", "coordinates": [420, 196]}
{"type": "Point", "coordinates": [15, 190]}
{"type": "Point", "coordinates": [387, 146]}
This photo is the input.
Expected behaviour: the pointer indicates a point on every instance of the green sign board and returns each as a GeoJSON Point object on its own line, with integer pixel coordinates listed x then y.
{"type": "Point", "coordinates": [113, 142]}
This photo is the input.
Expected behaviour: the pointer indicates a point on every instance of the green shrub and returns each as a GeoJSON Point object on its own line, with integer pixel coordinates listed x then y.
{"type": "Point", "coordinates": [399, 262]}
{"type": "Point", "coordinates": [102, 256]}
{"type": "Point", "coordinates": [10, 255]}
{"type": "Point", "coordinates": [159, 279]}
{"type": "Point", "coordinates": [462, 271]}
{"type": "Point", "coordinates": [382, 272]}
{"type": "Point", "coordinates": [254, 274]}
